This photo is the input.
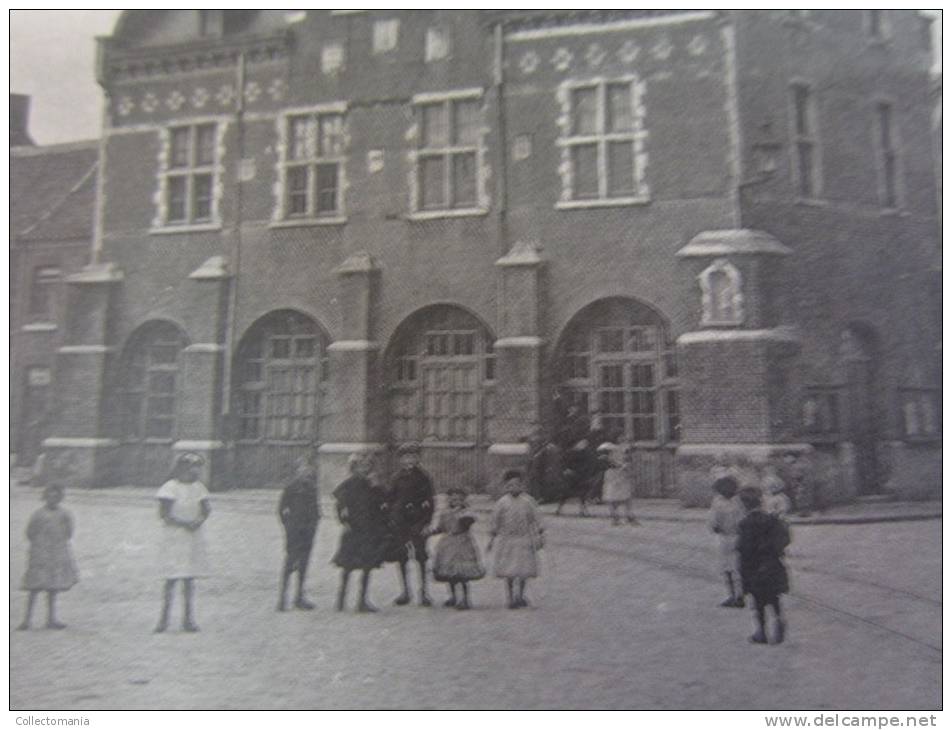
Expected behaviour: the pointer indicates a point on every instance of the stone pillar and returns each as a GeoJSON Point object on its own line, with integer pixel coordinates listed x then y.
{"type": "Point", "coordinates": [353, 412]}
{"type": "Point", "coordinates": [518, 359]}
{"type": "Point", "coordinates": [198, 425]}
{"type": "Point", "coordinates": [735, 368]}
{"type": "Point", "coordinates": [79, 453]}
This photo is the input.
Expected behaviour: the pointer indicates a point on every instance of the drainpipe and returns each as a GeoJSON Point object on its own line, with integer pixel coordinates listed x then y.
{"type": "Point", "coordinates": [235, 257]}
{"type": "Point", "coordinates": [502, 144]}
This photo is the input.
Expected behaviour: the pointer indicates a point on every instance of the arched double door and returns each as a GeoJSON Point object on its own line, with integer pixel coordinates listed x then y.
{"type": "Point", "coordinates": [440, 378]}
{"type": "Point", "coordinates": [614, 362]}
{"type": "Point", "coordinates": [279, 374]}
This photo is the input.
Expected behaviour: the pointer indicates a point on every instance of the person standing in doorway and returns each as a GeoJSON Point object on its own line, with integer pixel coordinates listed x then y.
{"type": "Point", "coordinates": [183, 508]}
{"type": "Point", "coordinates": [299, 511]}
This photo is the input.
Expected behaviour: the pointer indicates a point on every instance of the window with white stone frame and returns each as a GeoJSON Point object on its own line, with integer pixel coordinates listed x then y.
{"type": "Point", "coordinates": [449, 155]}
{"type": "Point", "coordinates": [312, 146]}
{"type": "Point", "coordinates": [190, 176]}
{"type": "Point", "coordinates": [603, 155]}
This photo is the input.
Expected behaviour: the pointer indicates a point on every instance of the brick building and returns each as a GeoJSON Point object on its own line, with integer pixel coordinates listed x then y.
{"type": "Point", "coordinates": [52, 195]}
{"type": "Point", "coordinates": [333, 229]}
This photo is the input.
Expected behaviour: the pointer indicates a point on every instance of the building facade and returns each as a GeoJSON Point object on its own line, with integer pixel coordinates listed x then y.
{"type": "Point", "coordinates": [52, 196]}
{"type": "Point", "coordinates": [334, 230]}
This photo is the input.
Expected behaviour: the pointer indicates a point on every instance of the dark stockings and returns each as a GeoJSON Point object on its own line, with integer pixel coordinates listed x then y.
{"type": "Point", "coordinates": [516, 592]}
{"type": "Point", "coordinates": [463, 602]}
{"type": "Point", "coordinates": [404, 598]}
{"type": "Point", "coordinates": [51, 622]}
{"type": "Point", "coordinates": [363, 605]}
{"type": "Point", "coordinates": [294, 564]}
{"type": "Point", "coordinates": [760, 607]}
{"type": "Point", "coordinates": [188, 593]}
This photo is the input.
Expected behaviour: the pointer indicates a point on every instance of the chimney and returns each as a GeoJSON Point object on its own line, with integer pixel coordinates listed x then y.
{"type": "Point", "coordinates": [19, 120]}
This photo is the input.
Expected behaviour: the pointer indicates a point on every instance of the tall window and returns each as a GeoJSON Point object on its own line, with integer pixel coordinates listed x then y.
{"type": "Point", "coordinates": [602, 141]}
{"type": "Point", "coordinates": [281, 364]}
{"type": "Point", "coordinates": [820, 412]}
{"type": "Point", "coordinates": [437, 44]}
{"type": "Point", "coordinates": [877, 25]}
{"type": "Point", "coordinates": [447, 157]}
{"type": "Point", "coordinates": [313, 162]}
{"type": "Point", "coordinates": [921, 412]}
{"type": "Point", "coordinates": [148, 392]}
{"type": "Point", "coordinates": [442, 370]}
{"type": "Point", "coordinates": [386, 35]}
{"type": "Point", "coordinates": [614, 361]}
{"type": "Point", "coordinates": [806, 159]}
{"type": "Point", "coordinates": [888, 156]}
{"type": "Point", "coordinates": [190, 174]}
{"type": "Point", "coordinates": [43, 290]}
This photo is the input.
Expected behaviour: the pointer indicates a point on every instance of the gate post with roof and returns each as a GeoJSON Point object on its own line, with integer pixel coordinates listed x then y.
{"type": "Point", "coordinates": [354, 410]}
{"type": "Point", "coordinates": [198, 423]}
{"type": "Point", "coordinates": [735, 368]}
{"type": "Point", "coordinates": [518, 360]}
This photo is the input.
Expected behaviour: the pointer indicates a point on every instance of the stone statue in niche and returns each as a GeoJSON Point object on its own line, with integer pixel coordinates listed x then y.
{"type": "Point", "coordinates": [722, 299]}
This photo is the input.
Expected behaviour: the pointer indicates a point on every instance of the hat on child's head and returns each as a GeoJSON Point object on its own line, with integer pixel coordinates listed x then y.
{"type": "Point", "coordinates": [456, 490]}
{"type": "Point", "coordinates": [409, 447]}
{"type": "Point", "coordinates": [725, 486]}
{"type": "Point", "coordinates": [511, 474]}
{"type": "Point", "coordinates": [607, 446]}
{"type": "Point", "coordinates": [750, 497]}
{"type": "Point", "coordinates": [189, 458]}
{"type": "Point", "coordinates": [774, 484]}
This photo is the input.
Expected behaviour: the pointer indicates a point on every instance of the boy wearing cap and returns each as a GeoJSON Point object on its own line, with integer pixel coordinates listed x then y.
{"type": "Point", "coordinates": [413, 503]}
{"type": "Point", "coordinates": [299, 512]}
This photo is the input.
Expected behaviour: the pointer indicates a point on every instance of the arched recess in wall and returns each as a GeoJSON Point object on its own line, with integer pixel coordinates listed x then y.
{"type": "Point", "coordinates": [439, 373]}
{"type": "Point", "coordinates": [149, 380]}
{"type": "Point", "coordinates": [615, 362]}
{"type": "Point", "coordinates": [279, 375]}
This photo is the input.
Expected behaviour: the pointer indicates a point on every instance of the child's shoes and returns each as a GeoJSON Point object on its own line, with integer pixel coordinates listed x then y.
{"type": "Point", "coordinates": [759, 637]}
{"type": "Point", "coordinates": [780, 631]}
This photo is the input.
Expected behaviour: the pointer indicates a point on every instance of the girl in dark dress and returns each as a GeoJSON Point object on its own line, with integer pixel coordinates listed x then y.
{"type": "Point", "coordinates": [762, 539]}
{"type": "Point", "coordinates": [359, 509]}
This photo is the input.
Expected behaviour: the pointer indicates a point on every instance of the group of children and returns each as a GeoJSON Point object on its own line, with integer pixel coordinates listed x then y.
{"type": "Point", "coordinates": [752, 535]}
{"type": "Point", "coordinates": [392, 522]}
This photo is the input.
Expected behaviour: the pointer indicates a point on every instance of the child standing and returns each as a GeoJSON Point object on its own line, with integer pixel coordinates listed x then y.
{"type": "Point", "coordinates": [50, 567]}
{"type": "Point", "coordinates": [456, 560]}
{"type": "Point", "coordinates": [724, 517]}
{"type": "Point", "coordinates": [777, 502]}
{"type": "Point", "coordinates": [183, 508]}
{"type": "Point", "coordinates": [515, 521]}
{"type": "Point", "coordinates": [616, 489]}
{"type": "Point", "coordinates": [761, 543]}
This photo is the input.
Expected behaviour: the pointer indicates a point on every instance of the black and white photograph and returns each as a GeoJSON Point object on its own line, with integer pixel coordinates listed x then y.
{"type": "Point", "coordinates": [546, 359]}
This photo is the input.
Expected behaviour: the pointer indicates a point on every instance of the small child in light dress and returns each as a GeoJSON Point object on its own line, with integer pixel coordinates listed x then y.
{"type": "Point", "coordinates": [616, 488]}
{"type": "Point", "coordinates": [726, 513]}
{"type": "Point", "coordinates": [183, 509]}
{"type": "Point", "coordinates": [50, 567]}
{"type": "Point", "coordinates": [456, 560]}
{"type": "Point", "coordinates": [516, 524]}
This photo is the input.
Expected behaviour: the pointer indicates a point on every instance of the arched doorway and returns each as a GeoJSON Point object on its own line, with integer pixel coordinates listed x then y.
{"type": "Point", "coordinates": [858, 356]}
{"type": "Point", "coordinates": [440, 374]}
{"type": "Point", "coordinates": [614, 361]}
{"type": "Point", "coordinates": [279, 373]}
{"type": "Point", "coordinates": [149, 381]}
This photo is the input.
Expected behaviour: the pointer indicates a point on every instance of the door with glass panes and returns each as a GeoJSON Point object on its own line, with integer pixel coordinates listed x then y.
{"type": "Point", "coordinates": [616, 365]}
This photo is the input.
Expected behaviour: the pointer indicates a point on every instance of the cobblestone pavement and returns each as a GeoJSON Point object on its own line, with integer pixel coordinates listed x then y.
{"type": "Point", "coordinates": [625, 618]}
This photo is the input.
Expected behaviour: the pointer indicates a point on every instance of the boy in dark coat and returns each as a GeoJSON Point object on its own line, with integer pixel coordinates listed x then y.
{"type": "Point", "coordinates": [762, 539]}
{"type": "Point", "coordinates": [299, 512]}
{"type": "Point", "coordinates": [412, 511]}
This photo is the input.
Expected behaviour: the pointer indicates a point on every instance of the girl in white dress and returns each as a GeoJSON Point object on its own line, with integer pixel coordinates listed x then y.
{"type": "Point", "coordinates": [616, 489]}
{"type": "Point", "coordinates": [183, 508]}
{"type": "Point", "coordinates": [517, 528]}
